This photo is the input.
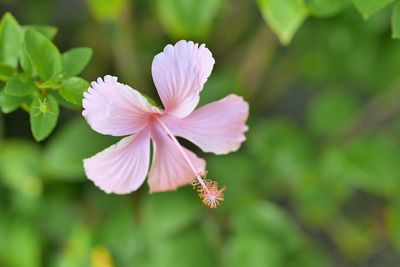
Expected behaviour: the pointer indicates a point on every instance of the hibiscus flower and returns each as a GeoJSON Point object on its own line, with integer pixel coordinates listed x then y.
{"type": "Point", "coordinates": [112, 108]}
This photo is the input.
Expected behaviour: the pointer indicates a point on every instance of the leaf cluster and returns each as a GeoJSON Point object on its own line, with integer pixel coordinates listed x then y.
{"type": "Point", "coordinates": [286, 17]}
{"type": "Point", "coordinates": [36, 77]}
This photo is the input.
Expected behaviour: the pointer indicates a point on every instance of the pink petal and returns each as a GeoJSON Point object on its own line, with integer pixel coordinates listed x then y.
{"type": "Point", "coordinates": [121, 168]}
{"type": "Point", "coordinates": [218, 127]}
{"type": "Point", "coordinates": [170, 170]}
{"type": "Point", "coordinates": [179, 73]}
{"type": "Point", "coordinates": [115, 109]}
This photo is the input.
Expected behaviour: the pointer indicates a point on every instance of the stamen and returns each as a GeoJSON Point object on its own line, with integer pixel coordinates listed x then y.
{"type": "Point", "coordinates": [211, 196]}
{"type": "Point", "coordinates": [207, 189]}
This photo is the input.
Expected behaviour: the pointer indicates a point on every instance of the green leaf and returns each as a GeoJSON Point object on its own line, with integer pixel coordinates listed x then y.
{"type": "Point", "coordinates": [10, 103]}
{"type": "Point", "coordinates": [65, 163]}
{"type": "Point", "coordinates": [43, 116]}
{"type": "Point", "coordinates": [44, 55]}
{"type": "Point", "coordinates": [26, 62]}
{"type": "Point", "coordinates": [6, 72]}
{"type": "Point", "coordinates": [369, 7]}
{"type": "Point", "coordinates": [324, 8]}
{"type": "Point", "coordinates": [64, 103]}
{"type": "Point", "coordinates": [75, 60]}
{"type": "Point", "coordinates": [187, 18]}
{"type": "Point", "coordinates": [10, 40]}
{"type": "Point", "coordinates": [20, 85]}
{"type": "Point", "coordinates": [47, 31]}
{"type": "Point", "coordinates": [72, 89]}
{"type": "Point", "coordinates": [284, 17]}
{"type": "Point", "coordinates": [396, 21]}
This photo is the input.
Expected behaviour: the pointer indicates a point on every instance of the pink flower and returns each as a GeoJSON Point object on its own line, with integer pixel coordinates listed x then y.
{"type": "Point", "coordinates": [112, 108]}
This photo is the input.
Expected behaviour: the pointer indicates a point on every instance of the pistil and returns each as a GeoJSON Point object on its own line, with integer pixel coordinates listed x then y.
{"type": "Point", "coordinates": [207, 189]}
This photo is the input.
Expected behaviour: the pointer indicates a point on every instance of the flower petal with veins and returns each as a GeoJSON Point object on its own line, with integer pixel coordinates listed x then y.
{"type": "Point", "coordinates": [179, 73]}
{"type": "Point", "coordinates": [115, 109]}
{"type": "Point", "coordinates": [121, 168]}
{"type": "Point", "coordinates": [217, 127]}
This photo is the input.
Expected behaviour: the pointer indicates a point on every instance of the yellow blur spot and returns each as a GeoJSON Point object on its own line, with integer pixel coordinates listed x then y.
{"type": "Point", "coordinates": [101, 257]}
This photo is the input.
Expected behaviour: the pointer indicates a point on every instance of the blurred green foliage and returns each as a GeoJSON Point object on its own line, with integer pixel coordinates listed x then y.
{"type": "Point", "coordinates": [315, 185]}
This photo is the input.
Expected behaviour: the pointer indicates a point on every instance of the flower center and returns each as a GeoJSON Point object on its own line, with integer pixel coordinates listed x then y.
{"type": "Point", "coordinates": [207, 189]}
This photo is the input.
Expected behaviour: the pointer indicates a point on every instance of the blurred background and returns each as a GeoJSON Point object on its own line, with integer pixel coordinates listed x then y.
{"type": "Point", "coordinates": [315, 185]}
